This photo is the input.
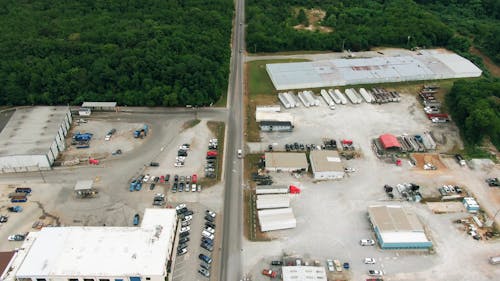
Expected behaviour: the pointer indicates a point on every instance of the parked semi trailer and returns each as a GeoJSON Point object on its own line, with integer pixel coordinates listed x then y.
{"type": "Point", "coordinates": [343, 99]}
{"type": "Point", "coordinates": [327, 99]}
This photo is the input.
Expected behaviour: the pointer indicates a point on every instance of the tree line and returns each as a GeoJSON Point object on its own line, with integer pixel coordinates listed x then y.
{"type": "Point", "coordinates": [355, 24]}
{"type": "Point", "coordinates": [475, 108]}
{"type": "Point", "coordinates": [135, 52]}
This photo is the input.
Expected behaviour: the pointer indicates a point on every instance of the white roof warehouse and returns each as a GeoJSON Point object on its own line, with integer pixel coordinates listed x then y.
{"type": "Point", "coordinates": [326, 164]}
{"type": "Point", "coordinates": [112, 253]}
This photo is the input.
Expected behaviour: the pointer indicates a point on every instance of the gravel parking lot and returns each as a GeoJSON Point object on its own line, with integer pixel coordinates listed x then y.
{"type": "Point", "coordinates": [332, 216]}
{"type": "Point", "coordinates": [53, 200]}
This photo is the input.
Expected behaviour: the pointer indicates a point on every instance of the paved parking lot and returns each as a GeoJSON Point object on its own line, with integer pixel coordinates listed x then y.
{"type": "Point", "coordinates": [332, 216]}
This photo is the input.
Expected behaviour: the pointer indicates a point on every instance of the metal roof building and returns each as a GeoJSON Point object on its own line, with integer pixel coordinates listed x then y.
{"type": "Point", "coordinates": [285, 161]}
{"type": "Point", "coordinates": [270, 201]}
{"type": "Point", "coordinates": [397, 228]}
{"type": "Point", "coordinates": [273, 116]}
{"type": "Point", "coordinates": [33, 138]}
{"type": "Point", "coordinates": [275, 126]}
{"type": "Point", "coordinates": [276, 219]}
{"type": "Point", "coordinates": [309, 273]}
{"type": "Point", "coordinates": [389, 141]}
{"type": "Point", "coordinates": [421, 65]}
{"type": "Point", "coordinates": [326, 164]}
{"type": "Point", "coordinates": [271, 189]}
{"type": "Point", "coordinates": [98, 253]}
{"type": "Point", "coordinates": [105, 106]}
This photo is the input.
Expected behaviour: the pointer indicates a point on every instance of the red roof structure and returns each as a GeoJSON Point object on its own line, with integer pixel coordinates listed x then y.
{"type": "Point", "coordinates": [389, 141]}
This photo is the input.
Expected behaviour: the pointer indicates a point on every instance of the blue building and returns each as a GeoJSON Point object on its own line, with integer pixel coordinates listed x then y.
{"type": "Point", "coordinates": [397, 228]}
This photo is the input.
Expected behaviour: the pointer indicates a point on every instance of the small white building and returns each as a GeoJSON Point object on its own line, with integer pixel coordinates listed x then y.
{"type": "Point", "coordinates": [286, 161]}
{"type": "Point", "coordinates": [326, 165]}
{"type": "Point", "coordinates": [276, 219]}
{"type": "Point", "coordinates": [100, 253]}
{"type": "Point", "coordinates": [309, 273]}
{"type": "Point", "coordinates": [273, 116]}
{"type": "Point", "coordinates": [270, 201]}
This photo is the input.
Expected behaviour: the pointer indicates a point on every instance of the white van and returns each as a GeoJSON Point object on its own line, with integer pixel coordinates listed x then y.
{"type": "Point", "coordinates": [240, 153]}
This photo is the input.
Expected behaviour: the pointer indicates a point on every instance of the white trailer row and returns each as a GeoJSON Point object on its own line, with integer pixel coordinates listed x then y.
{"type": "Point", "coordinates": [313, 100]}
{"type": "Point", "coordinates": [366, 95]}
{"type": "Point", "coordinates": [353, 96]}
{"type": "Point", "coordinates": [271, 189]}
{"type": "Point", "coordinates": [272, 201]}
{"type": "Point", "coordinates": [338, 93]}
{"type": "Point", "coordinates": [329, 101]}
{"type": "Point", "coordinates": [288, 100]}
{"type": "Point", "coordinates": [303, 99]}
{"type": "Point", "coordinates": [276, 219]}
{"type": "Point", "coordinates": [334, 96]}
{"type": "Point", "coordinates": [428, 141]}
{"type": "Point", "coordinates": [268, 108]}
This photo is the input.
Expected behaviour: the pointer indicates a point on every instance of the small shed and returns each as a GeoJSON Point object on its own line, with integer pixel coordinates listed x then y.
{"type": "Point", "coordinates": [85, 189]}
{"type": "Point", "coordinates": [276, 126]}
{"type": "Point", "coordinates": [389, 141]}
{"type": "Point", "coordinates": [286, 161]}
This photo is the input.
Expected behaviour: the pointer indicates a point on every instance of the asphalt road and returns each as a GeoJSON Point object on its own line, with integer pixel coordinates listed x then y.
{"type": "Point", "coordinates": [231, 263]}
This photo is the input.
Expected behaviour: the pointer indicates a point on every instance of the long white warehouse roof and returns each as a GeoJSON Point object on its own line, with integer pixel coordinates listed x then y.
{"type": "Point", "coordinates": [275, 219]}
{"type": "Point", "coordinates": [102, 251]}
{"type": "Point", "coordinates": [270, 201]}
{"type": "Point", "coordinates": [421, 65]}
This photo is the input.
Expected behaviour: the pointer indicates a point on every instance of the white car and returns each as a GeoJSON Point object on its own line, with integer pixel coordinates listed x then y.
{"type": "Point", "coordinates": [369, 261]}
{"type": "Point", "coordinates": [208, 235]}
{"type": "Point", "coordinates": [182, 252]}
{"type": "Point", "coordinates": [330, 266]}
{"type": "Point", "coordinates": [179, 164]}
{"type": "Point", "coordinates": [107, 137]}
{"type": "Point", "coordinates": [349, 170]}
{"type": "Point", "coordinates": [146, 178]}
{"type": "Point", "coordinates": [366, 242]}
{"type": "Point", "coordinates": [185, 229]}
{"type": "Point", "coordinates": [193, 187]}
{"type": "Point", "coordinates": [180, 158]}
{"type": "Point", "coordinates": [187, 218]}
{"type": "Point", "coordinates": [446, 188]}
{"type": "Point", "coordinates": [209, 229]}
{"type": "Point", "coordinates": [198, 188]}
{"type": "Point", "coordinates": [210, 213]}
{"type": "Point", "coordinates": [181, 206]}
{"type": "Point", "coordinates": [375, 272]}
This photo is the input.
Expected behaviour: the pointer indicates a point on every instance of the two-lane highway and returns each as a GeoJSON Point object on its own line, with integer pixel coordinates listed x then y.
{"type": "Point", "coordinates": [233, 199]}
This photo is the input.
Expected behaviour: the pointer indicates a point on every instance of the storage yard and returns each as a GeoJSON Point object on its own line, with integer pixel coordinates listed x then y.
{"type": "Point", "coordinates": [371, 140]}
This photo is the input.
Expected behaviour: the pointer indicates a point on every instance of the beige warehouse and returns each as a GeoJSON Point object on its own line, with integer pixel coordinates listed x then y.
{"type": "Point", "coordinates": [326, 165]}
{"type": "Point", "coordinates": [286, 161]}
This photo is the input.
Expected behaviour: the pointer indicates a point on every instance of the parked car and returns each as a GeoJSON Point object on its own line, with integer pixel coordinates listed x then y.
{"type": "Point", "coordinates": [209, 229]}
{"type": "Point", "coordinates": [207, 240]}
{"type": "Point", "coordinates": [4, 219]}
{"type": "Point", "coordinates": [136, 219]}
{"type": "Point", "coordinates": [154, 164]}
{"type": "Point", "coordinates": [369, 261]}
{"type": "Point", "coordinates": [276, 263]}
{"type": "Point", "coordinates": [185, 229]}
{"type": "Point", "coordinates": [205, 266]}
{"type": "Point", "coordinates": [329, 264]}
{"type": "Point", "coordinates": [15, 209]}
{"type": "Point", "coordinates": [184, 240]}
{"type": "Point", "coordinates": [146, 178]}
{"type": "Point", "coordinates": [204, 272]}
{"type": "Point", "coordinates": [198, 188]}
{"type": "Point", "coordinates": [188, 213]}
{"type": "Point", "coordinates": [207, 247]}
{"type": "Point", "coordinates": [17, 237]}
{"type": "Point", "coordinates": [182, 246]}
{"type": "Point", "coordinates": [210, 224]}
{"type": "Point", "coordinates": [270, 273]}
{"type": "Point", "coordinates": [187, 218]}
{"type": "Point", "coordinates": [210, 213]}
{"type": "Point", "coordinates": [375, 273]}
{"type": "Point", "coordinates": [209, 218]}
{"type": "Point", "coordinates": [180, 207]}
{"type": "Point", "coordinates": [185, 223]}
{"type": "Point", "coordinates": [193, 187]}
{"type": "Point", "coordinates": [207, 235]}
{"type": "Point", "coordinates": [184, 234]}
{"type": "Point", "coordinates": [182, 251]}
{"type": "Point", "coordinates": [205, 258]}
{"type": "Point", "coordinates": [367, 242]}
{"type": "Point", "coordinates": [346, 265]}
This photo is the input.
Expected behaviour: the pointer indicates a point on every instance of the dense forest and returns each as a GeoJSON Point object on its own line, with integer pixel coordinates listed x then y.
{"type": "Point", "coordinates": [354, 25]}
{"type": "Point", "coordinates": [362, 24]}
{"type": "Point", "coordinates": [475, 108]}
{"type": "Point", "coordinates": [135, 52]}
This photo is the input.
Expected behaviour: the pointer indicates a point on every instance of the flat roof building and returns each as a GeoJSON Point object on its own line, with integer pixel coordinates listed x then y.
{"type": "Point", "coordinates": [33, 138]}
{"type": "Point", "coordinates": [326, 164]}
{"type": "Point", "coordinates": [309, 273]}
{"type": "Point", "coordinates": [99, 105]}
{"type": "Point", "coordinates": [397, 228]}
{"type": "Point", "coordinates": [286, 161]}
{"type": "Point", "coordinates": [97, 253]}
{"type": "Point", "coordinates": [276, 219]}
{"type": "Point", "coordinates": [421, 65]}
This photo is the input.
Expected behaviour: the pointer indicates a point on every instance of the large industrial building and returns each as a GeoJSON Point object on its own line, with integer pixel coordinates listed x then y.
{"type": "Point", "coordinates": [286, 161]}
{"type": "Point", "coordinates": [326, 165]}
{"type": "Point", "coordinates": [100, 253]}
{"type": "Point", "coordinates": [33, 138]}
{"type": "Point", "coordinates": [276, 219]}
{"type": "Point", "coordinates": [416, 66]}
{"type": "Point", "coordinates": [397, 228]}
